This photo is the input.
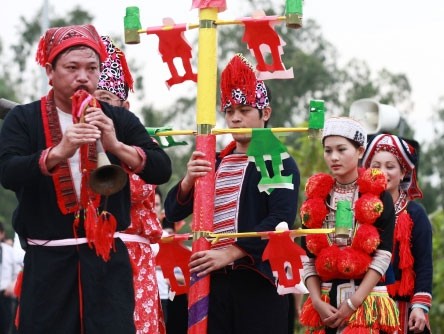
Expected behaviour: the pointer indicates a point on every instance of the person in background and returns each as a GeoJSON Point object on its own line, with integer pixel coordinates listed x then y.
{"type": "Point", "coordinates": [9, 270]}
{"type": "Point", "coordinates": [77, 275]}
{"type": "Point", "coordinates": [412, 254]}
{"type": "Point", "coordinates": [176, 310]}
{"type": "Point", "coordinates": [243, 296]}
{"type": "Point", "coordinates": [114, 84]}
{"type": "Point", "coordinates": [345, 270]}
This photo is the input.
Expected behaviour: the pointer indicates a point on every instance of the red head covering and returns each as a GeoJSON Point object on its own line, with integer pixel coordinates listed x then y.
{"type": "Point", "coordinates": [58, 39]}
{"type": "Point", "coordinates": [115, 77]}
{"type": "Point", "coordinates": [239, 85]}
{"type": "Point", "coordinates": [404, 153]}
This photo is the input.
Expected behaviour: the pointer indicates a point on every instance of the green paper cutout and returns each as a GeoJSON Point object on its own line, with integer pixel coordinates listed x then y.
{"type": "Point", "coordinates": [132, 18]}
{"type": "Point", "coordinates": [343, 218]}
{"type": "Point", "coordinates": [264, 146]}
{"type": "Point", "coordinates": [293, 7]}
{"type": "Point", "coordinates": [170, 142]}
{"type": "Point", "coordinates": [316, 115]}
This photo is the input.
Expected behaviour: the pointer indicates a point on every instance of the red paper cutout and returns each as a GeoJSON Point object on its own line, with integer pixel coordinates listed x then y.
{"type": "Point", "coordinates": [282, 251]}
{"type": "Point", "coordinates": [173, 254]}
{"type": "Point", "coordinates": [172, 44]}
{"type": "Point", "coordinates": [221, 5]}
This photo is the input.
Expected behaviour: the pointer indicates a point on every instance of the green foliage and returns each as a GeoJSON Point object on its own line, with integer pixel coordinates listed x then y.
{"type": "Point", "coordinates": [437, 311]}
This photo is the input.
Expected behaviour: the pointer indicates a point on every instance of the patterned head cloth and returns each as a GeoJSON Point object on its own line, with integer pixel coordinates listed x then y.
{"type": "Point", "coordinates": [115, 77]}
{"type": "Point", "coordinates": [58, 39]}
{"type": "Point", "coordinates": [406, 155]}
{"type": "Point", "coordinates": [345, 127]}
{"type": "Point", "coordinates": [239, 85]}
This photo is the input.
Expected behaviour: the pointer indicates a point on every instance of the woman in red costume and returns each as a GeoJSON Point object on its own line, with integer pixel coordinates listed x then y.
{"type": "Point", "coordinates": [345, 270]}
{"type": "Point", "coordinates": [412, 253]}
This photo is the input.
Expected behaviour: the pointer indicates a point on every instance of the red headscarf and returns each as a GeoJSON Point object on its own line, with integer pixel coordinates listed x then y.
{"type": "Point", "coordinates": [58, 39]}
{"type": "Point", "coordinates": [404, 153]}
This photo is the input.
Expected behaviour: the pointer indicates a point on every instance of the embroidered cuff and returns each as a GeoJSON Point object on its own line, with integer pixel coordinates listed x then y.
{"type": "Point", "coordinates": [422, 298]}
{"type": "Point", "coordinates": [381, 261]}
{"type": "Point", "coordinates": [136, 169]}
{"type": "Point", "coordinates": [425, 308]}
{"type": "Point", "coordinates": [42, 163]}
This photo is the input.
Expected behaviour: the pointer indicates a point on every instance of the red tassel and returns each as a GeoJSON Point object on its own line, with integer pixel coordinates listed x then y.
{"type": "Point", "coordinates": [17, 317]}
{"type": "Point", "coordinates": [310, 317]}
{"type": "Point", "coordinates": [360, 330]}
{"type": "Point", "coordinates": [126, 71]}
{"type": "Point", "coordinates": [104, 236]}
{"type": "Point", "coordinates": [407, 282]}
{"type": "Point", "coordinates": [91, 222]}
{"type": "Point", "coordinates": [18, 284]}
{"type": "Point", "coordinates": [393, 288]}
{"type": "Point", "coordinates": [238, 74]}
{"type": "Point", "coordinates": [17, 293]}
{"type": "Point", "coordinates": [403, 233]}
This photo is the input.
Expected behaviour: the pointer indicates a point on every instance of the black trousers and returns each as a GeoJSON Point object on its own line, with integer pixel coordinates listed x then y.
{"type": "Point", "coordinates": [244, 302]}
{"type": "Point", "coordinates": [6, 316]}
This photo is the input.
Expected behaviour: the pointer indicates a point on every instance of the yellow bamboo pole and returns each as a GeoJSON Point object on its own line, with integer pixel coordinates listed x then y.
{"type": "Point", "coordinates": [227, 131]}
{"type": "Point", "coordinates": [214, 237]}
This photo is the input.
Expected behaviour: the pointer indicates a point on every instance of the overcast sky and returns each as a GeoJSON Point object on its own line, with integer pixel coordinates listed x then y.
{"type": "Point", "coordinates": [403, 36]}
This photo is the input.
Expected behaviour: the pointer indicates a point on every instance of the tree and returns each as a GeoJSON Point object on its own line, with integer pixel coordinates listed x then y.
{"type": "Point", "coordinates": [437, 310]}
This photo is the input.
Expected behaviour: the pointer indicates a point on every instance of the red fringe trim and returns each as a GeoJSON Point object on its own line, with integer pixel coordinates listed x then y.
{"type": "Point", "coordinates": [402, 236]}
{"type": "Point", "coordinates": [310, 317]}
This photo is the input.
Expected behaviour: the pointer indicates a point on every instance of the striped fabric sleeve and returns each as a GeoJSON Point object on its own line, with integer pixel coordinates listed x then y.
{"type": "Point", "coordinates": [309, 267]}
{"type": "Point", "coordinates": [381, 261]}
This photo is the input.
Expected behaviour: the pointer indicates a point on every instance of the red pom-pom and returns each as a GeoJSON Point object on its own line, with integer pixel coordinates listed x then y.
{"type": "Point", "coordinates": [326, 263]}
{"type": "Point", "coordinates": [372, 181]}
{"type": "Point", "coordinates": [368, 208]}
{"type": "Point", "coordinates": [313, 212]}
{"type": "Point", "coordinates": [316, 242]}
{"type": "Point", "coordinates": [319, 185]}
{"type": "Point", "coordinates": [366, 239]}
{"type": "Point", "coordinates": [352, 263]}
